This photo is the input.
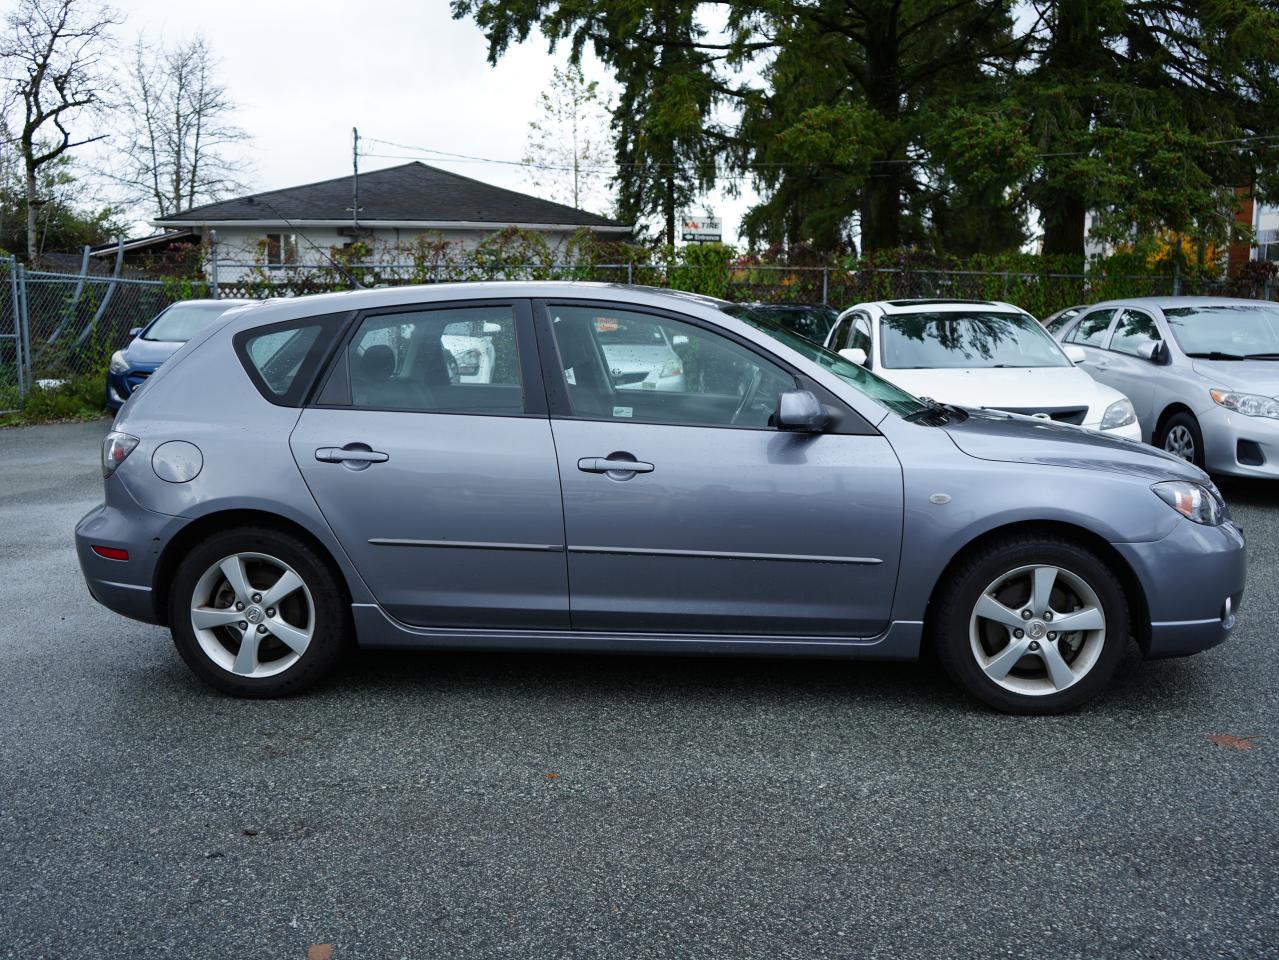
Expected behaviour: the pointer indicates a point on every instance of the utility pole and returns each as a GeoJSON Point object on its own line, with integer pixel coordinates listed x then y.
{"type": "Point", "coordinates": [355, 182]}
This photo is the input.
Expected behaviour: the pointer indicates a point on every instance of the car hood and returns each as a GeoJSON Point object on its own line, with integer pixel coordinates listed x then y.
{"type": "Point", "coordinates": [150, 353]}
{"type": "Point", "coordinates": [1000, 389]}
{"type": "Point", "coordinates": [1246, 376]}
{"type": "Point", "coordinates": [1009, 438]}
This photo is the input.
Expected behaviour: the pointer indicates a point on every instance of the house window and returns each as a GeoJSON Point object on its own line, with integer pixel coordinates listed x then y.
{"type": "Point", "coordinates": [281, 248]}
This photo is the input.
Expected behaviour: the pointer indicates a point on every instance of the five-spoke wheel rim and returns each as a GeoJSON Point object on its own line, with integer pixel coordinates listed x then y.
{"type": "Point", "coordinates": [252, 615]}
{"type": "Point", "coordinates": [1037, 630]}
{"type": "Point", "coordinates": [1180, 443]}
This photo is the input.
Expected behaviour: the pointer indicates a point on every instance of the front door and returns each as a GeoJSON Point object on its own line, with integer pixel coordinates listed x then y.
{"type": "Point", "coordinates": [431, 457]}
{"type": "Point", "coordinates": [686, 512]}
{"type": "Point", "coordinates": [1127, 371]}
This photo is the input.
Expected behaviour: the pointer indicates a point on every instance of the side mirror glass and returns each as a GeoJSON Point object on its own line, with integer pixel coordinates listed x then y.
{"type": "Point", "coordinates": [800, 411]}
{"type": "Point", "coordinates": [856, 354]}
{"type": "Point", "coordinates": [1074, 354]}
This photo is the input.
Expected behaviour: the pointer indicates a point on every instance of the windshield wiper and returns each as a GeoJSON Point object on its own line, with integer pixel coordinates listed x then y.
{"type": "Point", "coordinates": [1216, 355]}
{"type": "Point", "coordinates": [931, 409]}
{"type": "Point", "coordinates": [1261, 356]}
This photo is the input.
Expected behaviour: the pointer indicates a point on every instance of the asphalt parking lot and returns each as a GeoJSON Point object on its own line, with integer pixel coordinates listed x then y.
{"type": "Point", "coordinates": [582, 806]}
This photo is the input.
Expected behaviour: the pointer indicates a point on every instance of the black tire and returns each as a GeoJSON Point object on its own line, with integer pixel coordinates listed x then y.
{"type": "Point", "coordinates": [332, 629]}
{"type": "Point", "coordinates": [949, 621]}
{"type": "Point", "coordinates": [1191, 425]}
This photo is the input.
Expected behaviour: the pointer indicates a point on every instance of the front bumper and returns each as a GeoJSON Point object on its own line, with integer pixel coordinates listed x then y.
{"type": "Point", "coordinates": [120, 386]}
{"type": "Point", "coordinates": [1239, 446]}
{"type": "Point", "coordinates": [1193, 580]}
{"type": "Point", "coordinates": [124, 586]}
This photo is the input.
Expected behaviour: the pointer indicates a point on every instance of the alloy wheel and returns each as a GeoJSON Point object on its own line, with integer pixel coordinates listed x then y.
{"type": "Point", "coordinates": [1180, 443]}
{"type": "Point", "coordinates": [1037, 630]}
{"type": "Point", "coordinates": [253, 615]}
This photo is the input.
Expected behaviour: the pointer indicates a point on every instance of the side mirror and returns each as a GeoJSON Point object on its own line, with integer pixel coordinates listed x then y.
{"type": "Point", "coordinates": [1152, 350]}
{"type": "Point", "coordinates": [1074, 354]}
{"type": "Point", "coordinates": [800, 411]}
{"type": "Point", "coordinates": [856, 354]}
{"type": "Point", "coordinates": [491, 328]}
{"type": "Point", "coordinates": [134, 331]}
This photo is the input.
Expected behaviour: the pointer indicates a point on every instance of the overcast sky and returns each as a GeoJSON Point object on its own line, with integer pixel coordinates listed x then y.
{"type": "Point", "coordinates": [305, 71]}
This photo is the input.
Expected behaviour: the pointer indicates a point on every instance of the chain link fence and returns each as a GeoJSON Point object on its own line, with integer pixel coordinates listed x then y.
{"type": "Point", "coordinates": [57, 327]}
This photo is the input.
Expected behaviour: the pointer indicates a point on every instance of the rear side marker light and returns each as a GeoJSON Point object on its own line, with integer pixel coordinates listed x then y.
{"type": "Point", "coordinates": [110, 553]}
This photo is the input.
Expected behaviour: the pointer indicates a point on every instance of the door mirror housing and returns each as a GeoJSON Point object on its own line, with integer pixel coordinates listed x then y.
{"type": "Point", "coordinates": [1151, 350]}
{"type": "Point", "coordinates": [134, 331]}
{"type": "Point", "coordinates": [1074, 354]}
{"type": "Point", "coordinates": [800, 411]}
{"type": "Point", "coordinates": [855, 354]}
{"type": "Point", "coordinates": [491, 328]}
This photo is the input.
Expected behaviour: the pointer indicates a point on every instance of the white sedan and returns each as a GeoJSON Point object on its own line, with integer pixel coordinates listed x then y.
{"type": "Point", "coordinates": [979, 354]}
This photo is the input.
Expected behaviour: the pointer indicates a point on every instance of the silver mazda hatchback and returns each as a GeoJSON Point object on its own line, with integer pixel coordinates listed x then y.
{"type": "Point", "coordinates": [313, 472]}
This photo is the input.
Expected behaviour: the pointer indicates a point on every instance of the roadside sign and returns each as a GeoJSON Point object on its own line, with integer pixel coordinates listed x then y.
{"type": "Point", "coordinates": [702, 229]}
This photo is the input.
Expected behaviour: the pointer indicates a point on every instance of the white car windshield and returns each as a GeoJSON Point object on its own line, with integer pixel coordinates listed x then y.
{"type": "Point", "coordinates": [959, 339]}
{"type": "Point", "coordinates": [1226, 331]}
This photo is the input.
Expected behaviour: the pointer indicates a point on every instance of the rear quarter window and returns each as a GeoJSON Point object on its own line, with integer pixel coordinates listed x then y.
{"type": "Point", "coordinates": [283, 359]}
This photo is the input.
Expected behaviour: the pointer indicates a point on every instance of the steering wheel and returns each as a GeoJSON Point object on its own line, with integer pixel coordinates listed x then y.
{"type": "Point", "coordinates": [748, 395]}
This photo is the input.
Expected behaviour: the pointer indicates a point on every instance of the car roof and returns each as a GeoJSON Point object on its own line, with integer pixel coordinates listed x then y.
{"type": "Point", "coordinates": [940, 305]}
{"type": "Point", "coordinates": [1162, 303]}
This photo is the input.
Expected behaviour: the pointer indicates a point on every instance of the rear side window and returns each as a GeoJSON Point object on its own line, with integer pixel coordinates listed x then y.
{"type": "Point", "coordinates": [282, 359]}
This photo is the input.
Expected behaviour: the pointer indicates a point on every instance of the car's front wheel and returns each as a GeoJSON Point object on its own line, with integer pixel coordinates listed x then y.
{"type": "Point", "coordinates": [1031, 626]}
{"type": "Point", "coordinates": [258, 613]}
{"type": "Point", "coordinates": [1181, 436]}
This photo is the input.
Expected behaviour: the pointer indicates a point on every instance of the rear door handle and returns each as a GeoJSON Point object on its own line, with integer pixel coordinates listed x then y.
{"type": "Point", "coordinates": [609, 465]}
{"type": "Point", "coordinates": [351, 453]}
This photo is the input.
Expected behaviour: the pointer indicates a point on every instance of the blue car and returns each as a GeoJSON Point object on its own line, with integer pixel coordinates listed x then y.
{"type": "Point", "coordinates": [156, 342]}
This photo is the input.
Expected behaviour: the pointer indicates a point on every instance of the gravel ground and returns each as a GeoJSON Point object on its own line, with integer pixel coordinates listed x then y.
{"type": "Point", "coordinates": [578, 806]}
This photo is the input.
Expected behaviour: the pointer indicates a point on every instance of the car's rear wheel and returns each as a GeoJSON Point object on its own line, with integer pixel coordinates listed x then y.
{"type": "Point", "coordinates": [1031, 626]}
{"type": "Point", "coordinates": [1181, 436]}
{"type": "Point", "coordinates": [257, 613]}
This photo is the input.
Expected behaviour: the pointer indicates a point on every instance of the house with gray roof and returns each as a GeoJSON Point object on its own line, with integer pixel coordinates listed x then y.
{"type": "Point", "coordinates": [301, 226]}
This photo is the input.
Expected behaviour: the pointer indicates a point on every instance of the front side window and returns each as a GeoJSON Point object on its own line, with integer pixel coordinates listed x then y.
{"type": "Point", "coordinates": [953, 339]}
{"type": "Point", "coordinates": [1227, 331]}
{"type": "Point", "coordinates": [1091, 331]}
{"type": "Point", "coordinates": [620, 364]}
{"type": "Point", "coordinates": [860, 336]}
{"type": "Point", "coordinates": [1134, 329]}
{"type": "Point", "coordinates": [450, 360]}
{"type": "Point", "coordinates": [281, 249]}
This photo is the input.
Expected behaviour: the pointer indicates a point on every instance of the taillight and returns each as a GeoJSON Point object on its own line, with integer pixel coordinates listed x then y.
{"type": "Point", "coordinates": [115, 448]}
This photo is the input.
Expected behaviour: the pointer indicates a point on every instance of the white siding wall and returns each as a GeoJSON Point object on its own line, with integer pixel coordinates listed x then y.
{"type": "Point", "coordinates": [237, 248]}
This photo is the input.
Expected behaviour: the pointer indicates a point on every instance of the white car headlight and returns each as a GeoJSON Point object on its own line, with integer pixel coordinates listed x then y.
{"type": "Point", "coordinates": [118, 364]}
{"type": "Point", "coordinates": [1249, 404]}
{"type": "Point", "coordinates": [1118, 414]}
{"type": "Point", "coordinates": [1193, 501]}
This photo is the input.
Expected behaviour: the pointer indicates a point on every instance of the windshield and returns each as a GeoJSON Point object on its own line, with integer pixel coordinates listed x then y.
{"type": "Point", "coordinates": [951, 340]}
{"type": "Point", "coordinates": [887, 395]}
{"type": "Point", "coordinates": [1234, 330]}
{"type": "Point", "coordinates": [811, 322]}
{"type": "Point", "coordinates": [182, 321]}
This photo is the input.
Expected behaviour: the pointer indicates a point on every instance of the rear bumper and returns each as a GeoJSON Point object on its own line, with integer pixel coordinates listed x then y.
{"type": "Point", "coordinates": [124, 586]}
{"type": "Point", "coordinates": [1193, 580]}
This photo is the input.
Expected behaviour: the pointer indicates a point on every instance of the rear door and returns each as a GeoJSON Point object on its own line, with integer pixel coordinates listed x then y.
{"type": "Point", "coordinates": [430, 454]}
{"type": "Point", "coordinates": [723, 524]}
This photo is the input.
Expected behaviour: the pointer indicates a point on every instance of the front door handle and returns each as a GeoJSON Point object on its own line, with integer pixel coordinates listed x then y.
{"type": "Point", "coordinates": [353, 453]}
{"type": "Point", "coordinates": [613, 464]}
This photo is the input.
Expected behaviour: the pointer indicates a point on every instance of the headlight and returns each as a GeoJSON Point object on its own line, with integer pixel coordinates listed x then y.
{"type": "Point", "coordinates": [1118, 414]}
{"type": "Point", "coordinates": [118, 364]}
{"type": "Point", "coordinates": [1192, 500]}
{"type": "Point", "coordinates": [1249, 404]}
{"type": "Point", "coordinates": [115, 448]}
